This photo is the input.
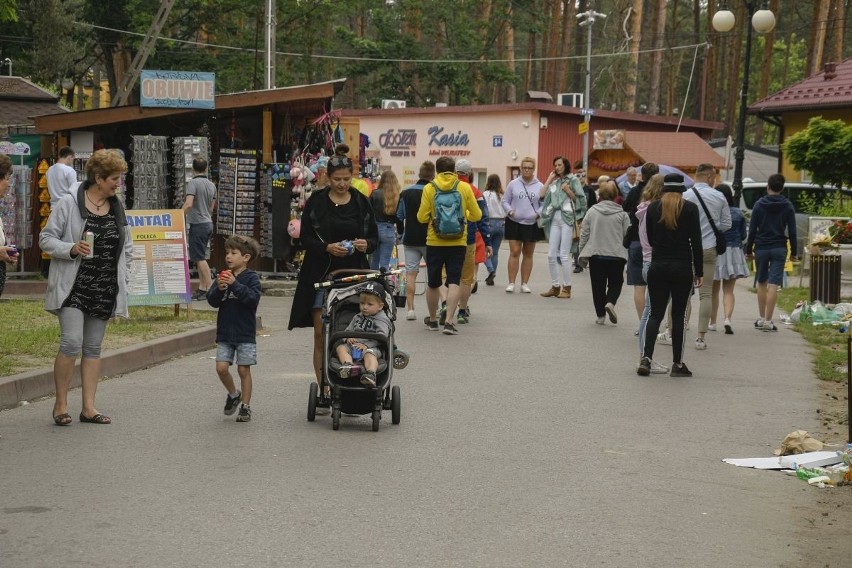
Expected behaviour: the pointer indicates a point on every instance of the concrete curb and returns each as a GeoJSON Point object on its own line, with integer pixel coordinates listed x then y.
{"type": "Point", "coordinates": [39, 383]}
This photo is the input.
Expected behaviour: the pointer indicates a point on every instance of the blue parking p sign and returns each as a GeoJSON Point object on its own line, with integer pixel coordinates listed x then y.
{"type": "Point", "coordinates": [497, 141]}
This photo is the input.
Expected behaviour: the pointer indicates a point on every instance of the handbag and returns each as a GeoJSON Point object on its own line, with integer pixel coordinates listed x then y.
{"type": "Point", "coordinates": [721, 243]}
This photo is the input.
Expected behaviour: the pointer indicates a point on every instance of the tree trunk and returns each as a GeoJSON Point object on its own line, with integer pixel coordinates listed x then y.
{"type": "Point", "coordinates": [531, 74]}
{"type": "Point", "coordinates": [635, 40]}
{"type": "Point", "coordinates": [511, 91]}
{"type": "Point", "coordinates": [657, 65]}
{"type": "Point", "coordinates": [569, 17]}
{"type": "Point", "coordinates": [765, 73]}
{"type": "Point", "coordinates": [550, 46]}
{"type": "Point", "coordinates": [816, 43]}
{"type": "Point", "coordinates": [839, 17]}
{"type": "Point", "coordinates": [478, 87]}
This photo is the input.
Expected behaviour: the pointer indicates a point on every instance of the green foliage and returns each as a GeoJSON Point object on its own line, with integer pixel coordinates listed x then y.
{"type": "Point", "coordinates": [8, 11]}
{"type": "Point", "coordinates": [823, 149]}
{"type": "Point", "coordinates": [828, 204]}
{"type": "Point", "coordinates": [34, 345]}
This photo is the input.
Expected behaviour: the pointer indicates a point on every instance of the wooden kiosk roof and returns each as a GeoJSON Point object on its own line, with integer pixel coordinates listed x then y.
{"type": "Point", "coordinates": [296, 98]}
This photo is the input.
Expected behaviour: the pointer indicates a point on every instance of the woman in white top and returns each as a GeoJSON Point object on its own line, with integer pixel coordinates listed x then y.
{"type": "Point", "coordinates": [522, 203]}
{"type": "Point", "coordinates": [493, 195]}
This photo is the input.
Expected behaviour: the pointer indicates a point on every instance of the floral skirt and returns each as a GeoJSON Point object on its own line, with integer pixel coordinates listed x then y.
{"type": "Point", "coordinates": [731, 264]}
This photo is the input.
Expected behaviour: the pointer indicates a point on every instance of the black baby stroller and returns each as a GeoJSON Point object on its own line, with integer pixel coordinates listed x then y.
{"type": "Point", "coordinates": [348, 395]}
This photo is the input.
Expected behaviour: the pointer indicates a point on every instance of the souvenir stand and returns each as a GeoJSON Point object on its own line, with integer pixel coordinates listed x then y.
{"type": "Point", "coordinates": [15, 207]}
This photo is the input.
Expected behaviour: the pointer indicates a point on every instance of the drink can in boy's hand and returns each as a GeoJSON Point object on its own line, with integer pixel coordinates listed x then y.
{"type": "Point", "coordinates": [12, 250]}
{"type": "Point", "coordinates": [89, 237]}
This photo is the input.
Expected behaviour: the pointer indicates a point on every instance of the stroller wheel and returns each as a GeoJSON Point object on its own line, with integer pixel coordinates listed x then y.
{"type": "Point", "coordinates": [377, 417]}
{"type": "Point", "coordinates": [312, 401]}
{"type": "Point", "coordinates": [396, 405]}
{"type": "Point", "coordinates": [400, 359]}
{"type": "Point", "coordinates": [335, 419]}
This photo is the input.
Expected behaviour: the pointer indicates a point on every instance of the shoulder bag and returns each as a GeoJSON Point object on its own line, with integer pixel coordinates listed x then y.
{"type": "Point", "coordinates": [721, 243]}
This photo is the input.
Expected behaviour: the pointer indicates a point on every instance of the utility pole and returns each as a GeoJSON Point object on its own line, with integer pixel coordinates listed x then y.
{"type": "Point", "coordinates": [269, 67]}
{"type": "Point", "coordinates": [588, 18]}
{"type": "Point", "coordinates": [122, 93]}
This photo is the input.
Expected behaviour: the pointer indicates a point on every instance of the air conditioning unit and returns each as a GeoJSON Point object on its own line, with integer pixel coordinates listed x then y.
{"type": "Point", "coordinates": [570, 99]}
{"type": "Point", "coordinates": [392, 103]}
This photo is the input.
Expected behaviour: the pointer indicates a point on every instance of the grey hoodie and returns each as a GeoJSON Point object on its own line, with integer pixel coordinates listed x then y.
{"type": "Point", "coordinates": [603, 230]}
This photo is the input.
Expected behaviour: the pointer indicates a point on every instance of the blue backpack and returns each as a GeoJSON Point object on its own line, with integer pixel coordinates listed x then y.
{"type": "Point", "coordinates": [448, 221]}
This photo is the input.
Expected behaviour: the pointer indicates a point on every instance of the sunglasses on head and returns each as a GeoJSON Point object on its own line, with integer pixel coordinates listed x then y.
{"type": "Point", "coordinates": [340, 162]}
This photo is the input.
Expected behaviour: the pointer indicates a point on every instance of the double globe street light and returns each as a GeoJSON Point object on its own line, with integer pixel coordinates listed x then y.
{"type": "Point", "coordinates": [762, 21]}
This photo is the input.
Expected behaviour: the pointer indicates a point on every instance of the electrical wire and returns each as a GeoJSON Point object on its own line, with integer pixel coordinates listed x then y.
{"type": "Point", "coordinates": [392, 60]}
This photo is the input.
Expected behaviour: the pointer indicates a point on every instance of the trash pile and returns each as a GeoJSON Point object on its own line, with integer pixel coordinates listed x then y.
{"type": "Point", "coordinates": [801, 455]}
{"type": "Point", "coordinates": [819, 314]}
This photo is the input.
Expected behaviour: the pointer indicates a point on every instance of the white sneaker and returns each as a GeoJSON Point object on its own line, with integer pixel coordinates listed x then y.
{"type": "Point", "coordinates": [658, 368]}
{"type": "Point", "coordinates": [758, 323]}
{"type": "Point", "coordinates": [525, 289]}
{"type": "Point", "coordinates": [510, 288]}
{"type": "Point", "coordinates": [700, 344]}
{"type": "Point", "coordinates": [600, 321]}
{"type": "Point", "coordinates": [411, 315]}
{"type": "Point", "coordinates": [664, 338]}
{"type": "Point", "coordinates": [711, 327]}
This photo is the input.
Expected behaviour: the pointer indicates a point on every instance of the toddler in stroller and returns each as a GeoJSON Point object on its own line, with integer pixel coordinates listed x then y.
{"type": "Point", "coordinates": [371, 319]}
{"type": "Point", "coordinates": [358, 314]}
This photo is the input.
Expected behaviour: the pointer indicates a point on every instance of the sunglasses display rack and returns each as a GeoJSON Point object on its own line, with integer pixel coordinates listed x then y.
{"type": "Point", "coordinates": [186, 149]}
{"type": "Point", "coordinates": [24, 216]}
{"type": "Point", "coordinates": [237, 194]}
{"type": "Point", "coordinates": [150, 175]}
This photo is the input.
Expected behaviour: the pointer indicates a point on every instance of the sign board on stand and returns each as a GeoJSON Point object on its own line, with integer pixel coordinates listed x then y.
{"type": "Point", "coordinates": [160, 272]}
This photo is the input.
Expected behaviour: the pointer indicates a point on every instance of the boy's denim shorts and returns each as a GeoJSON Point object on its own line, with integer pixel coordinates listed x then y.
{"type": "Point", "coordinates": [245, 353]}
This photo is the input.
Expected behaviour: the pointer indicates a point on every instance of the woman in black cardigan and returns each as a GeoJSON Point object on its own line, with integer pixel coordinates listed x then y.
{"type": "Point", "coordinates": [334, 214]}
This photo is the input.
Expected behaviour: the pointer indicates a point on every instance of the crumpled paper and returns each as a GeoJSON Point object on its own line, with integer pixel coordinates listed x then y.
{"type": "Point", "coordinates": [798, 442]}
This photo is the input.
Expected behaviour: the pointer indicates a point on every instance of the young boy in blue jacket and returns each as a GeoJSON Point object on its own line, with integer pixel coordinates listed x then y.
{"type": "Point", "coordinates": [237, 294]}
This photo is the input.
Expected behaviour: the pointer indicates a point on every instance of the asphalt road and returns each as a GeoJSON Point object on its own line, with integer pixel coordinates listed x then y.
{"type": "Point", "coordinates": [526, 440]}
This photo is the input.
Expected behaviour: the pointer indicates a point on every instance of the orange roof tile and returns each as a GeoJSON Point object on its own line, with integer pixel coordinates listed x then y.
{"type": "Point", "coordinates": [683, 150]}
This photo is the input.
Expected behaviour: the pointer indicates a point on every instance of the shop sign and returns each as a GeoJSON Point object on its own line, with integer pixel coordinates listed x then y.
{"type": "Point", "coordinates": [160, 270]}
{"type": "Point", "coordinates": [447, 143]}
{"type": "Point", "coordinates": [497, 141]}
{"type": "Point", "coordinates": [177, 89]}
{"type": "Point", "coordinates": [400, 142]}
{"type": "Point", "coordinates": [15, 149]}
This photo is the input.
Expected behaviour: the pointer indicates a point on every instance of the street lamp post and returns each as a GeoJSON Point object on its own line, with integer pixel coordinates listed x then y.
{"type": "Point", "coordinates": [762, 21]}
{"type": "Point", "coordinates": [588, 17]}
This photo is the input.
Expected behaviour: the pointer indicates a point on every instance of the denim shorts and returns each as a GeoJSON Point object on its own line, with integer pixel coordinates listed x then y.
{"type": "Point", "coordinates": [245, 353]}
{"type": "Point", "coordinates": [770, 265]}
{"type": "Point", "coordinates": [634, 265]}
{"type": "Point", "coordinates": [197, 241]}
{"type": "Point", "coordinates": [318, 299]}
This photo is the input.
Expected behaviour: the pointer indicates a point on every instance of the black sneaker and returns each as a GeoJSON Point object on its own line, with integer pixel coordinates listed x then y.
{"type": "Point", "coordinates": [489, 281]}
{"type": "Point", "coordinates": [368, 379]}
{"type": "Point", "coordinates": [199, 295]}
{"type": "Point", "coordinates": [245, 414]}
{"type": "Point", "coordinates": [442, 314]}
{"type": "Point", "coordinates": [644, 367]}
{"type": "Point", "coordinates": [463, 316]}
{"type": "Point", "coordinates": [475, 287]}
{"type": "Point", "coordinates": [578, 269]}
{"type": "Point", "coordinates": [431, 325]}
{"type": "Point", "coordinates": [231, 404]}
{"type": "Point", "coordinates": [680, 370]}
{"type": "Point", "coordinates": [450, 329]}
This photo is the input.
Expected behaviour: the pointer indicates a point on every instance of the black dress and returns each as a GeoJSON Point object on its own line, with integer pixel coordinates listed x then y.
{"type": "Point", "coordinates": [324, 222]}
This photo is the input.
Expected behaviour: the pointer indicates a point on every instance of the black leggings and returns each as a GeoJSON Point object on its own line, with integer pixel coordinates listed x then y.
{"type": "Point", "coordinates": [606, 276]}
{"type": "Point", "coordinates": [668, 281]}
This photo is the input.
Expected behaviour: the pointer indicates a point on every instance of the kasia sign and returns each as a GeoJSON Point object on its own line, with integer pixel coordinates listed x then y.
{"type": "Point", "coordinates": [177, 89]}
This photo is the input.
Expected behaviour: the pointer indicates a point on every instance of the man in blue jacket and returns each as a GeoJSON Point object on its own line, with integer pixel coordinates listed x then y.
{"type": "Point", "coordinates": [771, 216]}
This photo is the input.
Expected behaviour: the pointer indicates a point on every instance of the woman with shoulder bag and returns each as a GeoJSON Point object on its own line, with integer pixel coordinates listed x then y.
{"type": "Point", "coordinates": [493, 195]}
{"type": "Point", "coordinates": [562, 195]}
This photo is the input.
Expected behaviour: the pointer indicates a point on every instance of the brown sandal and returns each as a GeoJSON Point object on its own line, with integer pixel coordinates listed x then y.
{"type": "Point", "coordinates": [96, 419]}
{"type": "Point", "coordinates": [63, 419]}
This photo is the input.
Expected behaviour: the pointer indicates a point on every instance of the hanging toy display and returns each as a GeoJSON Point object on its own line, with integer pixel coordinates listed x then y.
{"type": "Point", "coordinates": [294, 228]}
